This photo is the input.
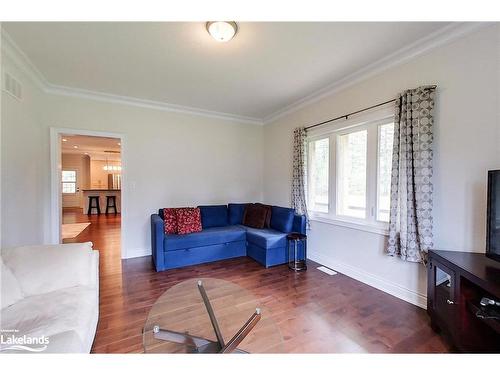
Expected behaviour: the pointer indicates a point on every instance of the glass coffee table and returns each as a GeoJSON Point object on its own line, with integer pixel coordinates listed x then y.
{"type": "Point", "coordinates": [210, 316]}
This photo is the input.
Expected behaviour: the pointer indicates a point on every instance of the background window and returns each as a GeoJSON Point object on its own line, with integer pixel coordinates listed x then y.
{"type": "Point", "coordinates": [385, 141]}
{"type": "Point", "coordinates": [357, 189]}
{"type": "Point", "coordinates": [318, 186]}
{"type": "Point", "coordinates": [351, 175]}
{"type": "Point", "coordinates": [69, 182]}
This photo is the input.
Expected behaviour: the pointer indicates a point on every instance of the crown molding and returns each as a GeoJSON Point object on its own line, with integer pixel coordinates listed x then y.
{"type": "Point", "coordinates": [436, 39]}
{"type": "Point", "coordinates": [145, 103]}
{"type": "Point", "coordinates": [13, 52]}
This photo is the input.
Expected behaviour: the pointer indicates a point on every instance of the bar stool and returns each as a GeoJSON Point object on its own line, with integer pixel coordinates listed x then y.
{"type": "Point", "coordinates": [94, 199]}
{"type": "Point", "coordinates": [111, 203]}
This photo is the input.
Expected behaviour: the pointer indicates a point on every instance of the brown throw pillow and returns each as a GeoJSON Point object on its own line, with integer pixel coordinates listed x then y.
{"type": "Point", "coordinates": [254, 216]}
{"type": "Point", "coordinates": [267, 223]}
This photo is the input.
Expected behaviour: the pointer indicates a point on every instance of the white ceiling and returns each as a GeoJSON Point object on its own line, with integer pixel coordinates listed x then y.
{"type": "Point", "coordinates": [265, 68]}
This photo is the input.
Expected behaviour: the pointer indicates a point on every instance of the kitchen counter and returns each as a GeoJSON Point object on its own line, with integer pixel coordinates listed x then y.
{"type": "Point", "coordinates": [101, 190]}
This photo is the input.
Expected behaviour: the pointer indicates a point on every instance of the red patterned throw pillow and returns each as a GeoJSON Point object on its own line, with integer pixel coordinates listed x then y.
{"type": "Point", "coordinates": [170, 220]}
{"type": "Point", "coordinates": [188, 220]}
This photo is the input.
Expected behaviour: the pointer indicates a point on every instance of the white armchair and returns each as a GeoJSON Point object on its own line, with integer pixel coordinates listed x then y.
{"type": "Point", "coordinates": [50, 291]}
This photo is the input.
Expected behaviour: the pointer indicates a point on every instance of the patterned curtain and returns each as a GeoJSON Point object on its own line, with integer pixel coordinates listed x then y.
{"type": "Point", "coordinates": [410, 224]}
{"type": "Point", "coordinates": [299, 175]}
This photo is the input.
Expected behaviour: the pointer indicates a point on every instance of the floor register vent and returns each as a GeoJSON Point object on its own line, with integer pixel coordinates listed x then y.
{"type": "Point", "coordinates": [327, 270]}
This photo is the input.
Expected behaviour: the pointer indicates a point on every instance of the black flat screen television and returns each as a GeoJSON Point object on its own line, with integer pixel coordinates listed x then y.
{"type": "Point", "coordinates": [493, 216]}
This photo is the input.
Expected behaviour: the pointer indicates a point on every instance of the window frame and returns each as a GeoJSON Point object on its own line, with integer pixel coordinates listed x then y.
{"type": "Point", "coordinates": [337, 136]}
{"type": "Point", "coordinates": [309, 174]}
{"type": "Point", "coordinates": [69, 182]}
{"type": "Point", "coordinates": [378, 173]}
{"type": "Point", "coordinates": [370, 121]}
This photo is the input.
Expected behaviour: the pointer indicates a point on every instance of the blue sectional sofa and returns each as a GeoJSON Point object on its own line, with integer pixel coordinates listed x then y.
{"type": "Point", "coordinates": [224, 236]}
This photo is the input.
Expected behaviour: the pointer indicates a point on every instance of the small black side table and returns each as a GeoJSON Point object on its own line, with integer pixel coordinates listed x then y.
{"type": "Point", "coordinates": [297, 251]}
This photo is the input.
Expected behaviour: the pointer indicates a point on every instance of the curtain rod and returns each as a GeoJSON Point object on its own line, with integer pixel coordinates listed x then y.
{"type": "Point", "coordinates": [358, 111]}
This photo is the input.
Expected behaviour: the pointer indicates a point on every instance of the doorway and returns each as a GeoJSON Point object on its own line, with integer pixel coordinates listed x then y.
{"type": "Point", "coordinates": [87, 197]}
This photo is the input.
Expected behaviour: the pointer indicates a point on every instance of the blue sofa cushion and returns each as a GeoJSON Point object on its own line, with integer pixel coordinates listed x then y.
{"type": "Point", "coordinates": [266, 238]}
{"type": "Point", "coordinates": [235, 213]}
{"type": "Point", "coordinates": [282, 218]}
{"type": "Point", "coordinates": [299, 224]}
{"type": "Point", "coordinates": [210, 236]}
{"type": "Point", "coordinates": [213, 216]}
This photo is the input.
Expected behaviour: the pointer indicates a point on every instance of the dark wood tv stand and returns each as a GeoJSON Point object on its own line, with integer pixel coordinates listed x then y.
{"type": "Point", "coordinates": [456, 283]}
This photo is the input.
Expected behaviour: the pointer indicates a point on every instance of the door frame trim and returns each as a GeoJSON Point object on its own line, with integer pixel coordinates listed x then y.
{"type": "Point", "coordinates": [55, 177]}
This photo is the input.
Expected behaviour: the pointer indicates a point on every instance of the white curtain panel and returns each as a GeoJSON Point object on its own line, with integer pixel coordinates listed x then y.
{"type": "Point", "coordinates": [299, 174]}
{"type": "Point", "coordinates": [410, 225]}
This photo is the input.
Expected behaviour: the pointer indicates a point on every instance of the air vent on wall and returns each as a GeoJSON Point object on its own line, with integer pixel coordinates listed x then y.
{"type": "Point", "coordinates": [12, 86]}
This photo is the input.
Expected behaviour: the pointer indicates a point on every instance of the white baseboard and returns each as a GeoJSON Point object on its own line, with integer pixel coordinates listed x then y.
{"type": "Point", "coordinates": [135, 253]}
{"type": "Point", "coordinates": [387, 286]}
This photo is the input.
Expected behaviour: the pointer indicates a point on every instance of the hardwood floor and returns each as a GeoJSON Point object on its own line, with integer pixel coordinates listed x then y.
{"type": "Point", "coordinates": [104, 232]}
{"type": "Point", "coordinates": [315, 312]}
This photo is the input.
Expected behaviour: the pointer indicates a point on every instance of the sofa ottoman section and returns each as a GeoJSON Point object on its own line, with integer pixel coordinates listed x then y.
{"type": "Point", "coordinates": [266, 246]}
{"type": "Point", "coordinates": [267, 257]}
{"type": "Point", "coordinates": [266, 238]}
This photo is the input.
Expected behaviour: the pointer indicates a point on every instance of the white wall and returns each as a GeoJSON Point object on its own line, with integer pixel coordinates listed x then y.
{"type": "Point", "coordinates": [22, 168]}
{"type": "Point", "coordinates": [170, 159]}
{"type": "Point", "coordinates": [467, 139]}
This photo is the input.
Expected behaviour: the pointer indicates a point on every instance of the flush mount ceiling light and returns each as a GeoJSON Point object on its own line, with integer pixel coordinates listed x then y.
{"type": "Point", "coordinates": [222, 31]}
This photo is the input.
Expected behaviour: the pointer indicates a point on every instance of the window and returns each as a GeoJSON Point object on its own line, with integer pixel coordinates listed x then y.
{"type": "Point", "coordinates": [351, 174]}
{"type": "Point", "coordinates": [385, 141]}
{"type": "Point", "coordinates": [349, 170]}
{"type": "Point", "coordinates": [69, 182]}
{"type": "Point", "coordinates": [318, 181]}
